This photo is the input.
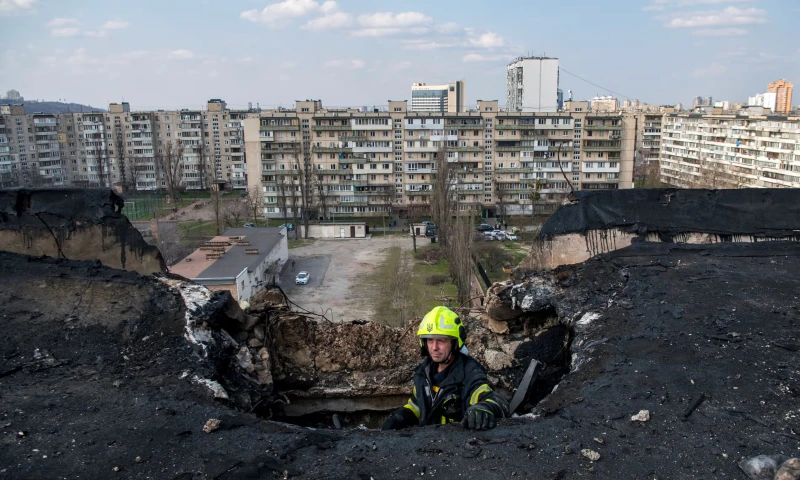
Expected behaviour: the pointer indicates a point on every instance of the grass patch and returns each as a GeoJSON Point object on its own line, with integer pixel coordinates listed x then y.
{"type": "Point", "coordinates": [399, 289]}
{"type": "Point", "coordinates": [300, 242]}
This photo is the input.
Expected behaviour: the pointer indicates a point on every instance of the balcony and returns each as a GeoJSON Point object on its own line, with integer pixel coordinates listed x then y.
{"type": "Point", "coordinates": [602, 127]}
{"type": "Point", "coordinates": [514, 148]}
{"type": "Point", "coordinates": [333, 127]}
{"type": "Point", "coordinates": [281, 150]}
{"type": "Point", "coordinates": [315, 149]}
{"type": "Point", "coordinates": [520, 126]}
{"type": "Point", "coordinates": [465, 149]}
{"type": "Point", "coordinates": [616, 148]}
{"type": "Point", "coordinates": [464, 126]}
{"type": "Point", "coordinates": [274, 128]}
{"type": "Point", "coordinates": [428, 149]}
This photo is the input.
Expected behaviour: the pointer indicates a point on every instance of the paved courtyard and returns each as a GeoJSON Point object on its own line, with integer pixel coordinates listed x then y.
{"type": "Point", "coordinates": [338, 269]}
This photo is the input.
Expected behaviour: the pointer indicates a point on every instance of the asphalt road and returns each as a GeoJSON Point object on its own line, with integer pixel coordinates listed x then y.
{"type": "Point", "coordinates": [316, 265]}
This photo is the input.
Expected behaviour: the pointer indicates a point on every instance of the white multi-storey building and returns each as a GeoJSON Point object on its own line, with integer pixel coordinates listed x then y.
{"type": "Point", "coordinates": [450, 97]}
{"type": "Point", "coordinates": [730, 151]}
{"type": "Point", "coordinates": [532, 85]}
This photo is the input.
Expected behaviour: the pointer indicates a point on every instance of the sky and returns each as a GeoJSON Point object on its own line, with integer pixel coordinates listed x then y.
{"type": "Point", "coordinates": [179, 53]}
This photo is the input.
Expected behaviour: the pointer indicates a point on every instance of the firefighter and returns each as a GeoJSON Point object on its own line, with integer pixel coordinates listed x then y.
{"type": "Point", "coordinates": [449, 385]}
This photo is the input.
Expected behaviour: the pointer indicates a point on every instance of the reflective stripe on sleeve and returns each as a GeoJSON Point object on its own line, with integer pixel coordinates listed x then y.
{"type": "Point", "coordinates": [475, 397]}
{"type": "Point", "coordinates": [413, 407]}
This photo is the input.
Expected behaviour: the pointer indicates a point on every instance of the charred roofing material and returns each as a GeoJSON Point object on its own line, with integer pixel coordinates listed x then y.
{"type": "Point", "coordinates": [763, 213]}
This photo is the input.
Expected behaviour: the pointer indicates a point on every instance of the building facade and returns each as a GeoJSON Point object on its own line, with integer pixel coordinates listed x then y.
{"type": "Point", "coordinates": [352, 163]}
{"type": "Point", "coordinates": [648, 138]}
{"type": "Point", "coordinates": [605, 104]}
{"type": "Point", "coordinates": [783, 95]}
{"type": "Point", "coordinates": [532, 85]}
{"type": "Point", "coordinates": [123, 147]}
{"type": "Point", "coordinates": [730, 151]}
{"type": "Point", "coordinates": [766, 100]}
{"type": "Point", "coordinates": [450, 97]}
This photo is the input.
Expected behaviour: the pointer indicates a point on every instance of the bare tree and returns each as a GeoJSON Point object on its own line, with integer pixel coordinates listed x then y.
{"type": "Point", "coordinates": [254, 202]}
{"type": "Point", "coordinates": [443, 206]}
{"type": "Point", "coordinates": [233, 211]}
{"type": "Point", "coordinates": [321, 190]}
{"type": "Point", "coordinates": [127, 174]}
{"type": "Point", "coordinates": [305, 183]}
{"type": "Point", "coordinates": [501, 191]}
{"type": "Point", "coordinates": [171, 165]}
{"type": "Point", "coordinates": [283, 202]}
{"type": "Point", "coordinates": [459, 256]}
{"type": "Point", "coordinates": [169, 239]}
{"type": "Point", "coordinates": [415, 211]}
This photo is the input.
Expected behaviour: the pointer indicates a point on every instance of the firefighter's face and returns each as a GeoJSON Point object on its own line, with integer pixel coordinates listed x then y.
{"type": "Point", "coordinates": [439, 348]}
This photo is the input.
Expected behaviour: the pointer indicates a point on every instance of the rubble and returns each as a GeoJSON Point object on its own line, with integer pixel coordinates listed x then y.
{"type": "Point", "coordinates": [606, 330]}
{"type": "Point", "coordinates": [642, 416]}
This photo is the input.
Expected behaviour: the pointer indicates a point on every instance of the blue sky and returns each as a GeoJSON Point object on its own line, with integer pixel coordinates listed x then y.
{"type": "Point", "coordinates": [179, 53]}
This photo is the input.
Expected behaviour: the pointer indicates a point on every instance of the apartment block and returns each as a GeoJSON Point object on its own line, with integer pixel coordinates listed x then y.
{"type": "Point", "coordinates": [648, 136]}
{"type": "Point", "coordinates": [532, 85]}
{"type": "Point", "coordinates": [730, 151]}
{"type": "Point", "coordinates": [450, 97]}
{"type": "Point", "coordinates": [124, 148]}
{"type": "Point", "coordinates": [783, 95]}
{"type": "Point", "coordinates": [374, 163]}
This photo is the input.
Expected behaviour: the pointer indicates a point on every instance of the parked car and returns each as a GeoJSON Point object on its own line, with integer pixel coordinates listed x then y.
{"type": "Point", "coordinates": [484, 227]}
{"type": "Point", "coordinates": [302, 278]}
{"type": "Point", "coordinates": [494, 235]}
{"type": "Point", "coordinates": [511, 236]}
{"type": "Point", "coordinates": [289, 226]}
{"type": "Point", "coordinates": [250, 225]}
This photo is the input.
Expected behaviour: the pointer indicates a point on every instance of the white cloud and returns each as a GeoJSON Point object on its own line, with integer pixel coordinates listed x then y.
{"type": "Point", "coordinates": [713, 70]}
{"type": "Point", "coordinates": [448, 28]}
{"type": "Point", "coordinates": [272, 15]}
{"type": "Point", "coordinates": [388, 32]}
{"type": "Point", "coordinates": [355, 63]}
{"type": "Point", "coordinates": [487, 40]}
{"type": "Point", "coordinates": [182, 54]}
{"type": "Point", "coordinates": [420, 44]}
{"type": "Point", "coordinates": [96, 33]}
{"type": "Point", "coordinates": [65, 32]}
{"type": "Point", "coordinates": [719, 18]}
{"type": "Point", "coordinates": [661, 5]}
{"type": "Point", "coordinates": [478, 57]}
{"type": "Point", "coordinates": [719, 32]}
{"type": "Point", "coordinates": [114, 25]}
{"type": "Point", "coordinates": [8, 7]}
{"type": "Point", "coordinates": [60, 22]}
{"type": "Point", "coordinates": [70, 27]}
{"type": "Point", "coordinates": [391, 20]}
{"type": "Point", "coordinates": [330, 21]}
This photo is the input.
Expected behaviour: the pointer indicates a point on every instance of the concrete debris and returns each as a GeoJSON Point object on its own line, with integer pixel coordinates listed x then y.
{"type": "Point", "coordinates": [496, 308]}
{"type": "Point", "coordinates": [213, 386]}
{"type": "Point", "coordinates": [642, 416]}
{"type": "Point", "coordinates": [211, 425]}
{"type": "Point", "coordinates": [590, 454]}
{"type": "Point", "coordinates": [790, 470]}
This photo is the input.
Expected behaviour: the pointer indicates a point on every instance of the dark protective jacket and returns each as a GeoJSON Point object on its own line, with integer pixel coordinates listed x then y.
{"type": "Point", "coordinates": [465, 385]}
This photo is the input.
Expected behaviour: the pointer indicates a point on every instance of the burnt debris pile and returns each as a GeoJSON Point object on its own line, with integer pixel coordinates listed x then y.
{"type": "Point", "coordinates": [655, 359]}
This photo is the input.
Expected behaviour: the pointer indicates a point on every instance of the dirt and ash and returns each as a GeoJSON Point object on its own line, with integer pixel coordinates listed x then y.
{"type": "Point", "coordinates": [108, 373]}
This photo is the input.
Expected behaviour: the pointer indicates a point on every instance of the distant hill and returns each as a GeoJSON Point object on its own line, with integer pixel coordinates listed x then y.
{"type": "Point", "coordinates": [53, 107]}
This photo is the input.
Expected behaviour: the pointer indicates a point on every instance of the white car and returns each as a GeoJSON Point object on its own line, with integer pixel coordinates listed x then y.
{"type": "Point", "coordinates": [302, 278]}
{"type": "Point", "coordinates": [511, 236]}
{"type": "Point", "coordinates": [495, 235]}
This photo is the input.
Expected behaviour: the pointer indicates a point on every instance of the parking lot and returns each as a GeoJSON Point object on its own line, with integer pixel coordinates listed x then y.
{"type": "Point", "coordinates": [337, 268]}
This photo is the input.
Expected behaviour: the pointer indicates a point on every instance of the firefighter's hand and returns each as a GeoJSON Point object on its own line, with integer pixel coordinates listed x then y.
{"type": "Point", "coordinates": [394, 422]}
{"type": "Point", "coordinates": [479, 417]}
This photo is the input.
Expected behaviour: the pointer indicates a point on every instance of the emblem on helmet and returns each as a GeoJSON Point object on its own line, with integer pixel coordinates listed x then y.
{"type": "Point", "coordinates": [429, 327]}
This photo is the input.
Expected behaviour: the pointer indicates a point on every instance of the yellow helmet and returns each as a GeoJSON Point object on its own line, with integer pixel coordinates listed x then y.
{"type": "Point", "coordinates": [442, 322]}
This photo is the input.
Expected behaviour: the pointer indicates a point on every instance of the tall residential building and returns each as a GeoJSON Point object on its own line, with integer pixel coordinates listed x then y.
{"type": "Point", "coordinates": [450, 97]}
{"type": "Point", "coordinates": [648, 136]}
{"type": "Point", "coordinates": [766, 100]}
{"type": "Point", "coordinates": [702, 102]}
{"type": "Point", "coordinates": [124, 148]}
{"type": "Point", "coordinates": [532, 85]}
{"type": "Point", "coordinates": [605, 104]}
{"type": "Point", "coordinates": [783, 98]}
{"type": "Point", "coordinates": [730, 151]}
{"type": "Point", "coordinates": [380, 162]}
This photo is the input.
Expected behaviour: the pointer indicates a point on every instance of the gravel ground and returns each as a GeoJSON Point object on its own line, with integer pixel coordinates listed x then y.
{"type": "Point", "coordinates": [340, 293]}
